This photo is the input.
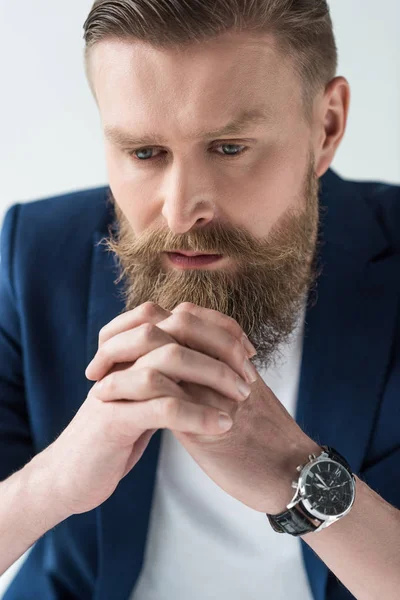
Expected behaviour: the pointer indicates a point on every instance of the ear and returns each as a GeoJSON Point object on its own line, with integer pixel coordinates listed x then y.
{"type": "Point", "coordinates": [331, 123]}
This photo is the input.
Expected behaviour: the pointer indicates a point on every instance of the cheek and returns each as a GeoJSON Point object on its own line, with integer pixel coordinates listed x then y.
{"type": "Point", "coordinates": [130, 187]}
{"type": "Point", "coordinates": [267, 191]}
{"type": "Point", "coordinates": [119, 166]}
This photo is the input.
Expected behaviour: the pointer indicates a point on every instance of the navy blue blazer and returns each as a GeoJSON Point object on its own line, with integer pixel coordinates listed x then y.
{"type": "Point", "coordinates": [57, 290]}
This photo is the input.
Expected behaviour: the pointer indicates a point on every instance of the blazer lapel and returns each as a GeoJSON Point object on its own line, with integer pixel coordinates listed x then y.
{"type": "Point", "coordinates": [348, 334]}
{"type": "Point", "coordinates": [122, 520]}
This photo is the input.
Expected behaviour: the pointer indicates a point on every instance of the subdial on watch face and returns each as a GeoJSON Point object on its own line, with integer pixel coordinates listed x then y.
{"type": "Point", "coordinates": [328, 488]}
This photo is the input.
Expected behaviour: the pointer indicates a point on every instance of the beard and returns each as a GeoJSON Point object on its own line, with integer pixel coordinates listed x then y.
{"type": "Point", "coordinates": [265, 293]}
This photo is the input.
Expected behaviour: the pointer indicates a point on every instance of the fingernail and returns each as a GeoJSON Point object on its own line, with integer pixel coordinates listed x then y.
{"type": "Point", "coordinates": [250, 370]}
{"type": "Point", "coordinates": [243, 387]}
{"type": "Point", "coordinates": [224, 421]}
{"type": "Point", "coordinates": [251, 351]}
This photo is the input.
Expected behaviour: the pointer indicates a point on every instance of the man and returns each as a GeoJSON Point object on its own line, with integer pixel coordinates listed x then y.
{"type": "Point", "coordinates": [218, 143]}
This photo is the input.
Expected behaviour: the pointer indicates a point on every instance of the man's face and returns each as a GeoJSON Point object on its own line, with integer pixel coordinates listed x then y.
{"type": "Point", "coordinates": [250, 195]}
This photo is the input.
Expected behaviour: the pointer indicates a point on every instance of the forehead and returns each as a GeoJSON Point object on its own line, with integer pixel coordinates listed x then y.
{"type": "Point", "coordinates": [207, 82]}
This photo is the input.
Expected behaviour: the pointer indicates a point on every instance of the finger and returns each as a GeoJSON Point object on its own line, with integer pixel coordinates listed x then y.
{"type": "Point", "coordinates": [214, 316]}
{"type": "Point", "coordinates": [164, 413]}
{"type": "Point", "coordinates": [211, 339]}
{"type": "Point", "coordinates": [149, 312]}
{"type": "Point", "coordinates": [171, 359]}
{"type": "Point", "coordinates": [184, 328]}
{"type": "Point", "coordinates": [126, 347]}
{"type": "Point", "coordinates": [183, 364]}
{"type": "Point", "coordinates": [147, 383]}
{"type": "Point", "coordinates": [136, 385]}
{"type": "Point", "coordinates": [200, 394]}
{"type": "Point", "coordinates": [153, 313]}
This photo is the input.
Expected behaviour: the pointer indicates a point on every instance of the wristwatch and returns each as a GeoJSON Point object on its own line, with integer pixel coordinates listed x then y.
{"type": "Point", "coordinates": [325, 492]}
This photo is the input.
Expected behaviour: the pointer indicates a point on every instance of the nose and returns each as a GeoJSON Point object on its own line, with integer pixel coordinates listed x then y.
{"type": "Point", "coordinates": [187, 197]}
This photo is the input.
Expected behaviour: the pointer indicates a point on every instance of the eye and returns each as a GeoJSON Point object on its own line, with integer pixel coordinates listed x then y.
{"type": "Point", "coordinates": [143, 151]}
{"type": "Point", "coordinates": [231, 149]}
{"type": "Point", "coordinates": [146, 154]}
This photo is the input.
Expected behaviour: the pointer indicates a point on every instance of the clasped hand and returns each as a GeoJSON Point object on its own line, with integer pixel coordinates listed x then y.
{"type": "Point", "coordinates": [193, 358]}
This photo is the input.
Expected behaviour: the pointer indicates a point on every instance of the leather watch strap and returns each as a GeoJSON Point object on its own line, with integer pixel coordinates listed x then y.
{"type": "Point", "coordinates": [336, 456]}
{"type": "Point", "coordinates": [292, 521]}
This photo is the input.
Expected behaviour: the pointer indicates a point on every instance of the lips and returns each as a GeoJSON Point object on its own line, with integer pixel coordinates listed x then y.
{"type": "Point", "coordinates": [193, 253]}
{"type": "Point", "coordinates": [187, 262]}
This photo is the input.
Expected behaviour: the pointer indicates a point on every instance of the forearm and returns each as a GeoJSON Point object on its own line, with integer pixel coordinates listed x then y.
{"type": "Point", "coordinates": [26, 510]}
{"type": "Point", "coordinates": [363, 548]}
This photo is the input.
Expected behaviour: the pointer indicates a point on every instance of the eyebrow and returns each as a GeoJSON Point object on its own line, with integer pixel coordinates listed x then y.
{"type": "Point", "coordinates": [246, 118]}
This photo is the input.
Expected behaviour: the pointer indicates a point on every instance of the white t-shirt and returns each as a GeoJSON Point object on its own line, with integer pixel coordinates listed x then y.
{"type": "Point", "coordinates": [202, 543]}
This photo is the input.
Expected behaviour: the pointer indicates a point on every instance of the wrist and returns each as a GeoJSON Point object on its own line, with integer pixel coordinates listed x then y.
{"type": "Point", "coordinates": [284, 491]}
{"type": "Point", "coordinates": [40, 489]}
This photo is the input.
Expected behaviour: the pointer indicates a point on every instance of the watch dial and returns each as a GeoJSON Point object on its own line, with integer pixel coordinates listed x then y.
{"type": "Point", "coordinates": [328, 488]}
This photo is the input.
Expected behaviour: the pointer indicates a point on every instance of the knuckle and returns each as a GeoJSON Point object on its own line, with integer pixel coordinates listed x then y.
{"type": "Point", "coordinates": [149, 308]}
{"type": "Point", "coordinates": [169, 408]}
{"type": "Point", "coordinates": [103, 334]}
{"type": "Point", "coordinates": [151, 377]}
{"type": "Point", "coordinates": [104, 351]}
{"type": "Point", "coordinates": [174, 352]}
{"type": "Point", "coordinates": [233, 327]}
{"type": "Point", "coordinates": [232, 322]}
{"type": "Point", "coordinates": [148, 330]}
{"type": "Point", "coordinates": [108, 384]}
{"type": "Point", "coordinates": [183, 320]}
{"type": "Point", "coordinates": [185, 306]}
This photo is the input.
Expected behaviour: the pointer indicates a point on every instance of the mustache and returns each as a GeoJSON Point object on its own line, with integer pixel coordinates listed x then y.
{"type": "Point", "coordinates": [218, 238]}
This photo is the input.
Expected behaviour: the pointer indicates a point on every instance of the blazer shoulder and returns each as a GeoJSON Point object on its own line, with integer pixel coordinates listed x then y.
{"type": "Point", "coordinates": [54, 230]}
{"type": "Point", "coordinates": [77, 212]}
{"type": "Point", "coordinates": [365, 201]}
{"type": "Point", "coordinates": [383, 199]}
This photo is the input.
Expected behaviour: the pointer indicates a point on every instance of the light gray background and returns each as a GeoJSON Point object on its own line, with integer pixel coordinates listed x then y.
{"type": "Point", "coordinates": [51, 140]}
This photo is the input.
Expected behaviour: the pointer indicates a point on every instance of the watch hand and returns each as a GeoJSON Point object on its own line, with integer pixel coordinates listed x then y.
{"type": "Point", "coordinates": [331, 482]}
{"type": "Point", "coordinates": [321, 480]}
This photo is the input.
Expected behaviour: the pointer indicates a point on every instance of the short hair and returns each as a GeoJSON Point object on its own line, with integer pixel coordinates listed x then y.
{"type": "Point", "coordinates": [302, 28]}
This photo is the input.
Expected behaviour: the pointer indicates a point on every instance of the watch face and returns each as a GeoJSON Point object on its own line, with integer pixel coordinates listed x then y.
{"type": "Point", "coordinates": [327, 489]}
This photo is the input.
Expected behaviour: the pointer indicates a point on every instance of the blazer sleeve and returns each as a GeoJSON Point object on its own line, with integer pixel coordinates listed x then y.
{"type": "Point", "coordinates": [16, 447]}
{"type": "Point", "coordinates": [381, 471]}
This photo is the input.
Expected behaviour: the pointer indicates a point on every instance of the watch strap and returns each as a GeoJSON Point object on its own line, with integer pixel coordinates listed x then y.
{"type": "Point", "coordinates": [292, 521]}
{"type": "Point", "coordinates": [334, 454]}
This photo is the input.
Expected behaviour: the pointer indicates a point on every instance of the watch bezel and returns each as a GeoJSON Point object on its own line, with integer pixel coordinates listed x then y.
{"type": "Point", "coordinates": [306, 503]}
